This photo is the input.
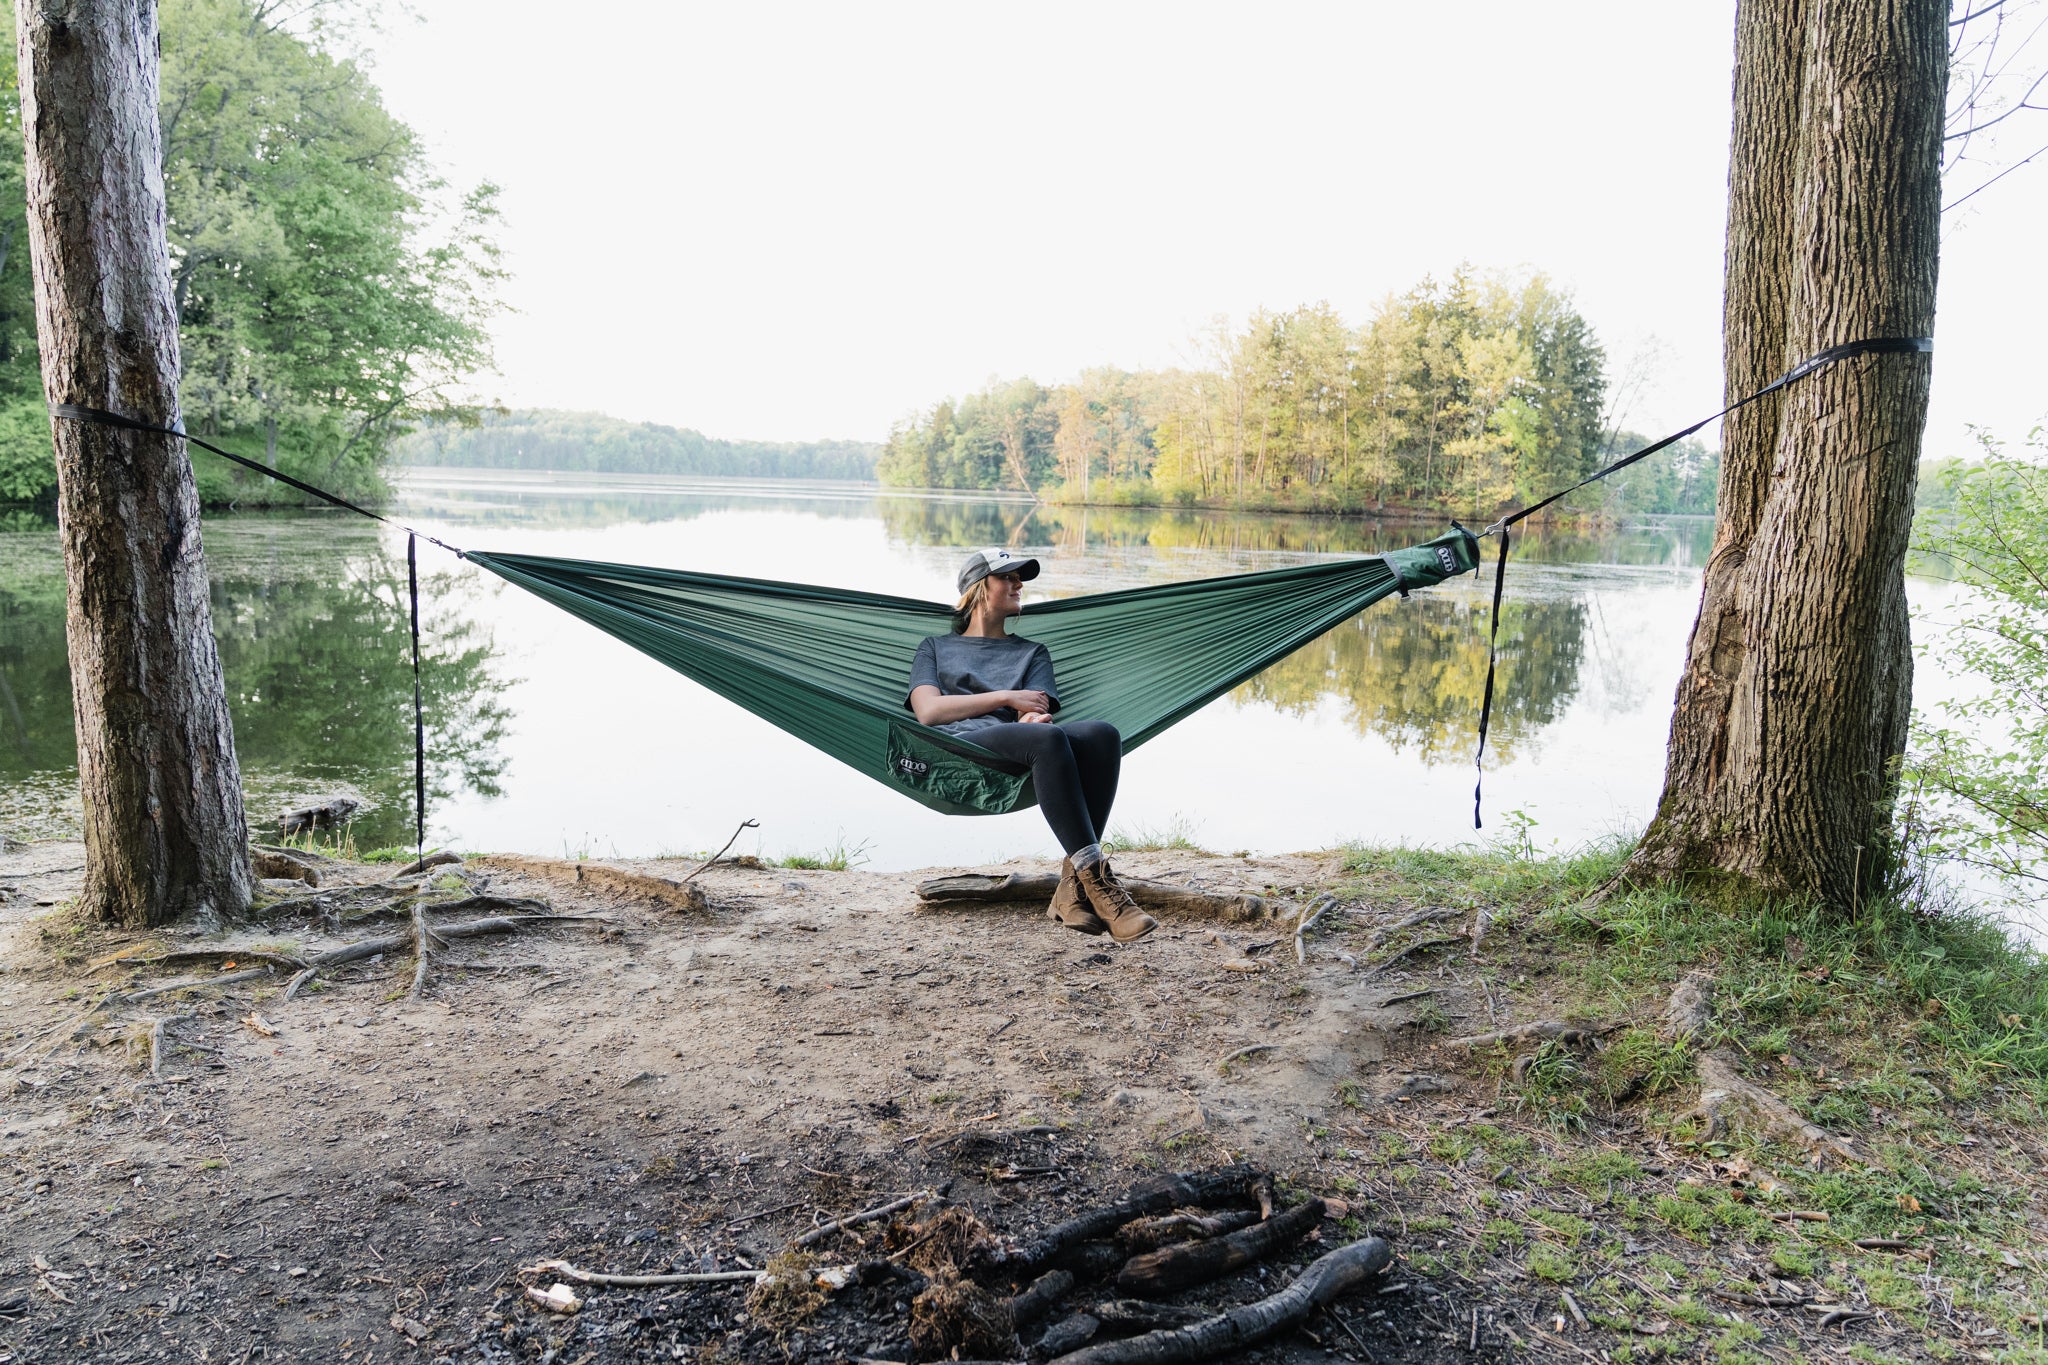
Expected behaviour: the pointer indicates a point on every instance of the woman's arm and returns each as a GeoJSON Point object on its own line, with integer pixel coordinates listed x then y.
{"type": "Point", "coordinates": [933, 707]}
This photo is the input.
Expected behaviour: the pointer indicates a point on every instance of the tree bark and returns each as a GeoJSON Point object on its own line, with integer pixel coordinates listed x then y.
{"type": "Point", "coordinates": [1792, 710]}
{"type": "Point", "coordinates": [164, 829]}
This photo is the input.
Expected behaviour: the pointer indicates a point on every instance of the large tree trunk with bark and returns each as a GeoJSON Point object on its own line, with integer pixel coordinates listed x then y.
{"type": "Point", "coordinates": [164, 829]}
{"type": "Point", "coordinates": [1792, 710]}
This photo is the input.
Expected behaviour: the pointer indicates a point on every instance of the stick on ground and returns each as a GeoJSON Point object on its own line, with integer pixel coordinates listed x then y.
{"type": "Point", "coordinates": [570, 1272]}
{"type": "Point", "coordinates": [818, 1234]}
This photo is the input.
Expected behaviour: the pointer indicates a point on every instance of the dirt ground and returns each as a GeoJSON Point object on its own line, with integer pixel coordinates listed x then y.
{"type": "Point", "coordinates": [355, 1175]}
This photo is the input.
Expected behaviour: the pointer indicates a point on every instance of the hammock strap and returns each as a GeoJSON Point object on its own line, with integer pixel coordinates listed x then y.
{"type": "Point", "coordinates": [100, 417]}
{"type": "Point", "coordinates": [1820, 360]}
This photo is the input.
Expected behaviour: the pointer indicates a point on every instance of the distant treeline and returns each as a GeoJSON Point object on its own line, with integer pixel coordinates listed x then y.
{"type": "Point", "coordinates": [542, 438]}
{"type": "Point", "coordinates": [1466, 395]}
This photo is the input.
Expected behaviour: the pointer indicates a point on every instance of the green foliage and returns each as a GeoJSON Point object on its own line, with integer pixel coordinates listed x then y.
{"type": "Point", "coordinates": [1469, 393]}
{"type": "Point", "coordinates": [1547, 1262]}
{"type": "Point", "coordinates": [1978, 784]}
{"type": "Point", "coordinates": [330, 291]}
{"type": "Point", "coordinates": [547, 439]}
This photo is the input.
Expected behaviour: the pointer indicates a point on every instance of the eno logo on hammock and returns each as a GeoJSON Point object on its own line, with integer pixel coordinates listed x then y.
{"type": "Point", "coordinates": [1448, 560]}
{"type": "Point", "coordinates": [912, 767]}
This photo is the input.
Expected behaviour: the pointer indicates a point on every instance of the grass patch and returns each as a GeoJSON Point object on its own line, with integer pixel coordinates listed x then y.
{"type": "Point", "coordinates": [1178, 834]}
{"type": "Point", "coordinates": [839, 856]}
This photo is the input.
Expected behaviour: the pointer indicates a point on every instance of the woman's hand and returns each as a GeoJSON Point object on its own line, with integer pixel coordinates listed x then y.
{"type": "Point", "coordinates": [1028, 705]}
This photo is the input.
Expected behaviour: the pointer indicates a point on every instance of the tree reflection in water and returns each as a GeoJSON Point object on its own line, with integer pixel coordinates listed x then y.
{"type": "Point", "coordinates": [311, 615]}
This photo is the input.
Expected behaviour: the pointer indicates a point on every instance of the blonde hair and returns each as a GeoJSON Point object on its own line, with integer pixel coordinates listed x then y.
{"type": "Point", "coordinates": [969, 603]}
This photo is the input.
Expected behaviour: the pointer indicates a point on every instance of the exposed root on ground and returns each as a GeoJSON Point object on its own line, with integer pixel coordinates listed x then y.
{"type": "Point", "coordinates": [1724, 1093]}
{"type": "Point", "coordinates": [641, 886]}
{"type": "Point", "coordinates": [1690, 1009]}
{"type": "Point", "coordinates": [1541, 1031]}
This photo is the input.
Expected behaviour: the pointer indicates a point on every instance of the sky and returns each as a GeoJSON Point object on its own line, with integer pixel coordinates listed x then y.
{"type": "Point", "coordinates": [792, 222]}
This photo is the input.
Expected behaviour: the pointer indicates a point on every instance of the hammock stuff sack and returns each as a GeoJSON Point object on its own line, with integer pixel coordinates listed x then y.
{"type": "Point", "coordinates": [832, 667]}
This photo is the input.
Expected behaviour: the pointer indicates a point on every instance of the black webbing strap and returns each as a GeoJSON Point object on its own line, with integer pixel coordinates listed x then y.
{"type": "Point", "coordinates": [1820, 360]}
{"type": "Point", "coordinates": [99, 417]}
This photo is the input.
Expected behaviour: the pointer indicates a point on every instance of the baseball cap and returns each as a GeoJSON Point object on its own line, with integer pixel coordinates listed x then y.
{"type": "Point", "coordinates": [982, 563]}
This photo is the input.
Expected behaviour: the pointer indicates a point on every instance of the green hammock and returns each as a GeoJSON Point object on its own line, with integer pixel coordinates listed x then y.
{"type": "Point", "coordinates": [832, 667]}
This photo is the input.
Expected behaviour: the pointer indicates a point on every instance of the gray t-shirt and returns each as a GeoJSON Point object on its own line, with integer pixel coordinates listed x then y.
{"type": "Point", "coordinates": [962, 665]}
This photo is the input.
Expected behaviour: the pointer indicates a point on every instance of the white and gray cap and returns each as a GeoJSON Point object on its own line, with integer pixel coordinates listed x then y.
{"type": "Point", "coordinates": [982, 563]}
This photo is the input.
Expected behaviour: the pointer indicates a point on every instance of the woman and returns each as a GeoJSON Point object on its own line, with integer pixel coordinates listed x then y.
{"type": "Point", "coordinates": [997, 691]}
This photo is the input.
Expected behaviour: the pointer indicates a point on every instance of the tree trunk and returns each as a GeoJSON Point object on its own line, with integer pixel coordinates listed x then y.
{"type": "Point", "coordinates": [1792, 710]}
{"type": "Point", "coordinates": [164, 829]}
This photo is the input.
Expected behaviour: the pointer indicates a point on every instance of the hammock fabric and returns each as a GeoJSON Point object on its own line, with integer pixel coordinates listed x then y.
{"type": "Point", "coordinates": [832, 667]}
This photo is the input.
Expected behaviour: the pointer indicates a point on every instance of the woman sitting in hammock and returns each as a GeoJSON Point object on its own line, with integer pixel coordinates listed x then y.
{"type": "Point", "coordinates": [997, 690]}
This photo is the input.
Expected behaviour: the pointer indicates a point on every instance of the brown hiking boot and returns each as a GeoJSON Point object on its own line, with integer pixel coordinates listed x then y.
{"type": "Point", "coordinates": [1070, 907]}
{"type": "Point", "coordinates": [1108, 899]}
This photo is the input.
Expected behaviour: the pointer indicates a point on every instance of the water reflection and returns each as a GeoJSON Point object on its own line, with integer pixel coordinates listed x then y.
{"type": "Point", "coordinates": [591, 746]}
{"type": "Point", "coordinates": [316, 650]}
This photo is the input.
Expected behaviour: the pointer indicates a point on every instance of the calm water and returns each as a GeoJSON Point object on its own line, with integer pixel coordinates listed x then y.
{"type": "Point", "coordinates": [548, 737]}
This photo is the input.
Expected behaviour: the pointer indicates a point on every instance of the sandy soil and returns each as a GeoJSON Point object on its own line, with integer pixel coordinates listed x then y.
{"type": "Point", "coordinates": [663, 1090]}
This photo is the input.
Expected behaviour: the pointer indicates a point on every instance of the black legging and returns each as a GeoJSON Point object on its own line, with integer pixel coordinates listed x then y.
{"type": "Point", "coordinates": [1073, 766]}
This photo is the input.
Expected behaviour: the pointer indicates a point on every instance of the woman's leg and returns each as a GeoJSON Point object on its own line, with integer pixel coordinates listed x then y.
{"type": "Point", "coordinates": [1098, 754]}
{"type": "Point", "coordinates": [1054, 773]}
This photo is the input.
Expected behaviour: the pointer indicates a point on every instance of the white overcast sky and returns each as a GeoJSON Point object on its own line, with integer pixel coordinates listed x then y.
{"type": "Point", "coordinates": [787, 221]}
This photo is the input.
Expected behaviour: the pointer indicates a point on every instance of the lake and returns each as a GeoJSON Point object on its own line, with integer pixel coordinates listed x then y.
{"type": "Point", "coordinates": [548, 737]}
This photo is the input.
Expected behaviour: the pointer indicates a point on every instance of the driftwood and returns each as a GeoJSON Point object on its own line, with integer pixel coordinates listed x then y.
{"type": "Point", "coordinates": [1038, 886]}
{"type": "Point", "coordinates": [1161, 1194]}
{"type": "Point", "coordinates": [1321, 1284]}
{"type": "Point", "coordinates": [1723, 1091]}
{"type": "Point", "coordinates": [1164, 1271]}
{"type": "Point", "coordinates": [663, 891]}
{"type": "Point", "coordinates": [1541, 1031]}
{"type": "Point", "coordinates": [320, 815]}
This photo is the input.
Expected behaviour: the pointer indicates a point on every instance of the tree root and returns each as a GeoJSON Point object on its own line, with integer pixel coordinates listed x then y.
{"type": "Point", "coordinates": [1307, 921]}
{"type": "Point", "coordinates": [440, 859]}
{"type": "Point", "coordinates": [1162, 1272]}
{"type": "Point", "coordinates": [156, 1040]}
{"type": "Point", "coordinates": [1161, 1194]}
{"type": "Point", "coordinates": [1724, 1092]}
{"type": "Point", "coordinates": [1411, 950]}
{"type": "Point", "coordinates": [1027, 886]}
{"type": "Point", "coordinates": [663, 891]}
{"type": "Point", "coordinates": [421, 938]}
{"type": "Point", "coordinates": [1539, 1032]}
{"type": "Point", "coordinates": [1385, 932]}
{"type": "Point", "coordinates": [1690, 1009]}
{"type": "Point", "coordinates": [1321, 1284]}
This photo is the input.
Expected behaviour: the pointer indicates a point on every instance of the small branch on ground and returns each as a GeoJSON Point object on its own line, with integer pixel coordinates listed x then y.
{"type": "Point", "coordinates": [1223, 1063]}
{"type": "Point", "coordinates": [580, 1276]}
{"type": "Point", "coordinates": [422, 937]}
{"type": "Point", "coordinates": [745, 825]}
{"type": "Point", "coordinates": [1723, 1091]}
{"type": "Point", "coordinates": [1321, 1284]}
{"type": "Point", "coordinates": [820, 1233]}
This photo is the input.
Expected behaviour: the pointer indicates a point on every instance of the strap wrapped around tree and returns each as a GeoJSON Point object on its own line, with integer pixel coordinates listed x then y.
{"type": "Point", "coordinates": [832, 667]}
